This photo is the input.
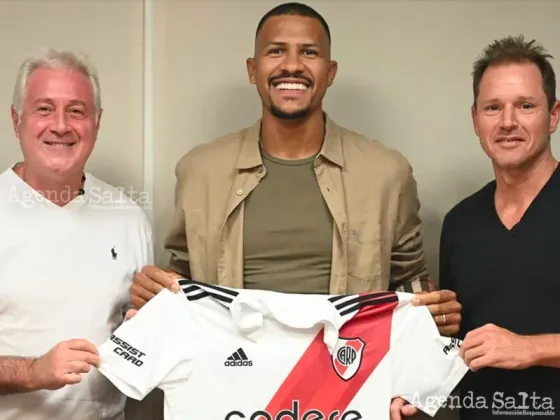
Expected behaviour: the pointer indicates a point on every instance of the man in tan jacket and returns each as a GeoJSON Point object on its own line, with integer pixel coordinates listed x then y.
{"type": "Point", "coordinates": [296, 203]}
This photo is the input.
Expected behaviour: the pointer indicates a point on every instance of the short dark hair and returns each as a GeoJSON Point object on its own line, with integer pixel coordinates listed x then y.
{"type": "Point", "coordinates": [294, 9]}
{"type": "Point", "coordinates": [510, 50]}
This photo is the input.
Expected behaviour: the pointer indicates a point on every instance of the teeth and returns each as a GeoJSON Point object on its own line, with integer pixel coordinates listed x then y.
{"type": "Point", "coordinates": [60, 144]}
{"type": "Point", "coordinates": [291, 86]}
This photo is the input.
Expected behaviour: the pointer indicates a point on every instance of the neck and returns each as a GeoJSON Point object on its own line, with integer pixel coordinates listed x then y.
{"type": "Point", "coordinates": [293, 139]}
{"type": "Point", "coordinates": [59, 189]}
{"type": "Point", "coordinates": [522, 185]}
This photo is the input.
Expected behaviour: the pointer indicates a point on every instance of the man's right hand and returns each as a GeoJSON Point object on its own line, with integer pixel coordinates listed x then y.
{"type": "Point", "coordinates": [64, 364]}
{"type": "Point", "coordinates": [149, 282]}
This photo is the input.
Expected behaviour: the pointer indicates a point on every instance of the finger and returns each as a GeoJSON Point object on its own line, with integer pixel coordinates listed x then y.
{"type": "Point", "coordinates": [72, 378]}
{"type": "Point", "coordinates": [472, 341]}
{"type": "Point", "coordinates": [450, 319]}
{"type": "Point", "coordinates": [84, 356]}
{"type": "Point", "coordinates": [129, 314]}
{"type": "Point", "coordinates": [472, 354]}
{"type": "Point", "coordinates": [82, 345]}
{"type": "Point", "coordinates": [448, 330]}
{"type": "Point", "coordinates": [166, 279]}
{"type": "Point", "coordinates": [408, 410]}
{"type": "Point", "coordinates": [139, 295]}
{"type": "Point", "coordinates": [431, 298]}
{"type": "Point", "coordinates": [137, 302]}
{"type": "Point", "coordinates": [77, 367]}
{"type": "Point", "coordinates": [144, 282]}
{"type": "Point", "coordinates": [480, 363]}
{"type": "Point", "coordinates": [395, 409]}
{"type": "Point", "coordinates": [445, 308]}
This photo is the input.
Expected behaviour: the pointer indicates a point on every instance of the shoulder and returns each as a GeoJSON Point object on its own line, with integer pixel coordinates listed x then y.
{"type": "Point", "coordinates": [469, 206]}
{"type": "Point", "coordinates": [125, 202]}
{"type": "Point", "coordinates": [215, 153]}
{"type": "Point", "coordinates": [371, 155]}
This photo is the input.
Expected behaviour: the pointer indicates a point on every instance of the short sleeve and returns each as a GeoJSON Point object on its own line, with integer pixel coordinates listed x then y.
{"type": "Point", "coordinates": [426, 367]}
{"type": "Point", "coordinates": [155, 347]}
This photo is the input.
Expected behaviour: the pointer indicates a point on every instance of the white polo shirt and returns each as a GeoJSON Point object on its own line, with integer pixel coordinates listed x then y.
{"type": "Point", "coordinates": [65, 273]}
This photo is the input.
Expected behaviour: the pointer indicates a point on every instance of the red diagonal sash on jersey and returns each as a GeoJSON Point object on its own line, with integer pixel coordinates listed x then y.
{"type": "Point", "coordinates": [314, 383]}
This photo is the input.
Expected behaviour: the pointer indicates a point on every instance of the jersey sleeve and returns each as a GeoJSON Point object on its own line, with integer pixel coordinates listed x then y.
{"type": "Point", "coordinates": [155, 347]}
{"type": "Point", "coordinates": [426, 367]}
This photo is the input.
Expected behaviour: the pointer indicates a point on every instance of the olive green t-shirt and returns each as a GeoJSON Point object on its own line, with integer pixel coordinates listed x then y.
{"type": "Point", "coordinates": [288, 230]}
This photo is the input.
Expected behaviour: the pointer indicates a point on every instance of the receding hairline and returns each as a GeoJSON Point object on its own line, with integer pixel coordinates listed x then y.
{"type": "Point", "coordinates": [294, 9]}
{"type": "Point", "coordinates": [323, 42]}
{"type": "Point", "coordinates": [512, 50]}
{"type": "Point", "coordinates": [54, 59]}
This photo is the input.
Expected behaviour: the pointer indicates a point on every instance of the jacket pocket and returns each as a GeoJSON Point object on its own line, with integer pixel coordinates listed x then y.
{"type": "Point", "coordinates": [364, 251]}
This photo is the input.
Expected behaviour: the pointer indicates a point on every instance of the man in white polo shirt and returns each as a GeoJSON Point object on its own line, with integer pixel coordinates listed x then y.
{"type": "Point", "coordinates": [70, 246]}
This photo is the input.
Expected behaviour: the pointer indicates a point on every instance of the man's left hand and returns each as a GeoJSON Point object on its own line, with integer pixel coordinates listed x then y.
{"type": "Point", "coordinates": [444, 308]}
{"type": "Point", "coordinates": [493, 346]}
{"type": "Point", "coordinates": [400, 409]}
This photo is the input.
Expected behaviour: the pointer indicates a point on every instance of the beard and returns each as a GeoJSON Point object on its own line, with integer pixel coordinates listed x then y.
{"type": "Point", "coordinates": [293, 115]}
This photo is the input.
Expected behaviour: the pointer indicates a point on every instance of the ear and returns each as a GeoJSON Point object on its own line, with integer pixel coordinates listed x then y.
{"type": "Point", "coordinates": [333, 68]}
{"type": "Point", "coordinates": [251, 70]}
{"type": "Point", "coordinates": [98, 122]}
{"type": "Point", "coordinates": [474, 119]}
{"type": "Point", "coordinates": [554, 117]}
{"type": "Point", "coordinates": [15, 121]}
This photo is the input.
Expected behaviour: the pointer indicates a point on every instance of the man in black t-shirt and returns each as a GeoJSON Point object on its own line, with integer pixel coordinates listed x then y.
{"type": "Point", "coordinates": [500, 247]}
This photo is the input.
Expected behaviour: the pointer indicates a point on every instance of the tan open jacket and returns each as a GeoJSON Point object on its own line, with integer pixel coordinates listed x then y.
{"type": "Point", "coordinates": [369, 189]}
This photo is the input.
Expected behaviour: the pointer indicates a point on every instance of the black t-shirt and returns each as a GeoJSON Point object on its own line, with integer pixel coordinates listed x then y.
{"type": "Point", "coordinates": [510, 278]}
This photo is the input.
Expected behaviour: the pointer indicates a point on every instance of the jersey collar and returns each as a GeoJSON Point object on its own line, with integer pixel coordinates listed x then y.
{"type": "Point", "coordinates": [249, 309]}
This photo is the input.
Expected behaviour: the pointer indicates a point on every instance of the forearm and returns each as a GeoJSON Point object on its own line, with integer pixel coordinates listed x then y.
{"type": "Point", "coordinates": [16, 375]}
{"type": "Point", "coordinates": [409, 271]}
{"type": "Point", "coordinates": [417, 284]}
{"type": "Point", "coordinates": [545, 350]}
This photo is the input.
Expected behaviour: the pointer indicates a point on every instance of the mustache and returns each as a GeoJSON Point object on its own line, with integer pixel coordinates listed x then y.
{"type": "Point", "coordinates": [288, 75]}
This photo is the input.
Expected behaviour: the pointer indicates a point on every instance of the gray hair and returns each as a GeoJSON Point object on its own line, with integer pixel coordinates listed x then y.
{"type": "Point", "coordinates": [55, 59]}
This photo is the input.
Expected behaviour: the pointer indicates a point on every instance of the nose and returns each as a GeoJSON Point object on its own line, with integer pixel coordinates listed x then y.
{"type": "Point", "coordinates": [59, 125]}
{"type": "Point", "coordinates": [292, 62]}
{"type": "Point", "coordinates": [508, 120]}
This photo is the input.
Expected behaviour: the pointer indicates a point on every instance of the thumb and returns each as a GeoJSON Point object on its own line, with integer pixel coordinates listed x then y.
{"type": "Point", "coordinates": [130, 314]}
{"type": "Point", "coordinates": [72, 378]}
{"type": "Point", "coordinates": [409, 410]}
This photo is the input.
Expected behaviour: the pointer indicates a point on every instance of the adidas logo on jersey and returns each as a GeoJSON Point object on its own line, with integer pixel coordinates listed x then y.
{"type": "Point", "coordinates": [238, 358]}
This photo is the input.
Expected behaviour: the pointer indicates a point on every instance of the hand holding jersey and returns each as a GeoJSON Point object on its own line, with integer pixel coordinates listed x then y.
{"type": "Point", "coordinates": [63, 365]}
{"type": "Point", "coordinates": [493, 346]}
{"type": "Point", "coordinates": [315, 354]}
{"type": "Point", "coordinates": [444, 308]}
{"type": "Point", "coordinates": [442, 304]}
{"type": "Point", "coordinates": [149, 282]}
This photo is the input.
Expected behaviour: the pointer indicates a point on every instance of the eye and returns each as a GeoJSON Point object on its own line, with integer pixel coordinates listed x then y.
{"type": "Point", "coordinates": [77, 112]}
{"type": "Point", "coordinates": [527, 106]}
{"type": "Point", "coordinates": [275, 51]}
{"type": "Point", "coordinates": [492, 108]}
{"type": "Point", "coordinates": [310, 52]}
{"type": "Point", "coordinates": [43, 109]}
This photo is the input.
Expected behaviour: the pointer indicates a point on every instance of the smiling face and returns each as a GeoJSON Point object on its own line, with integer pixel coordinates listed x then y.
{"type": "Point", "coordinates": [511, 117]}
{"type": "Point", "coordinates": [292, 68]}
{"type": "Point", "coordinates": [58, 125]}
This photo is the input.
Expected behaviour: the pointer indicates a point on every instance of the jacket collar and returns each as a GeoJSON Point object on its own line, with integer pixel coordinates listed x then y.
{"type": "Point", "coordinates": [250, 155]}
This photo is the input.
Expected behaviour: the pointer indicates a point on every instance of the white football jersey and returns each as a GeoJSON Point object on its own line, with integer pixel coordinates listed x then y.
{"type": "Point", "coordinates": [229, 354]}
